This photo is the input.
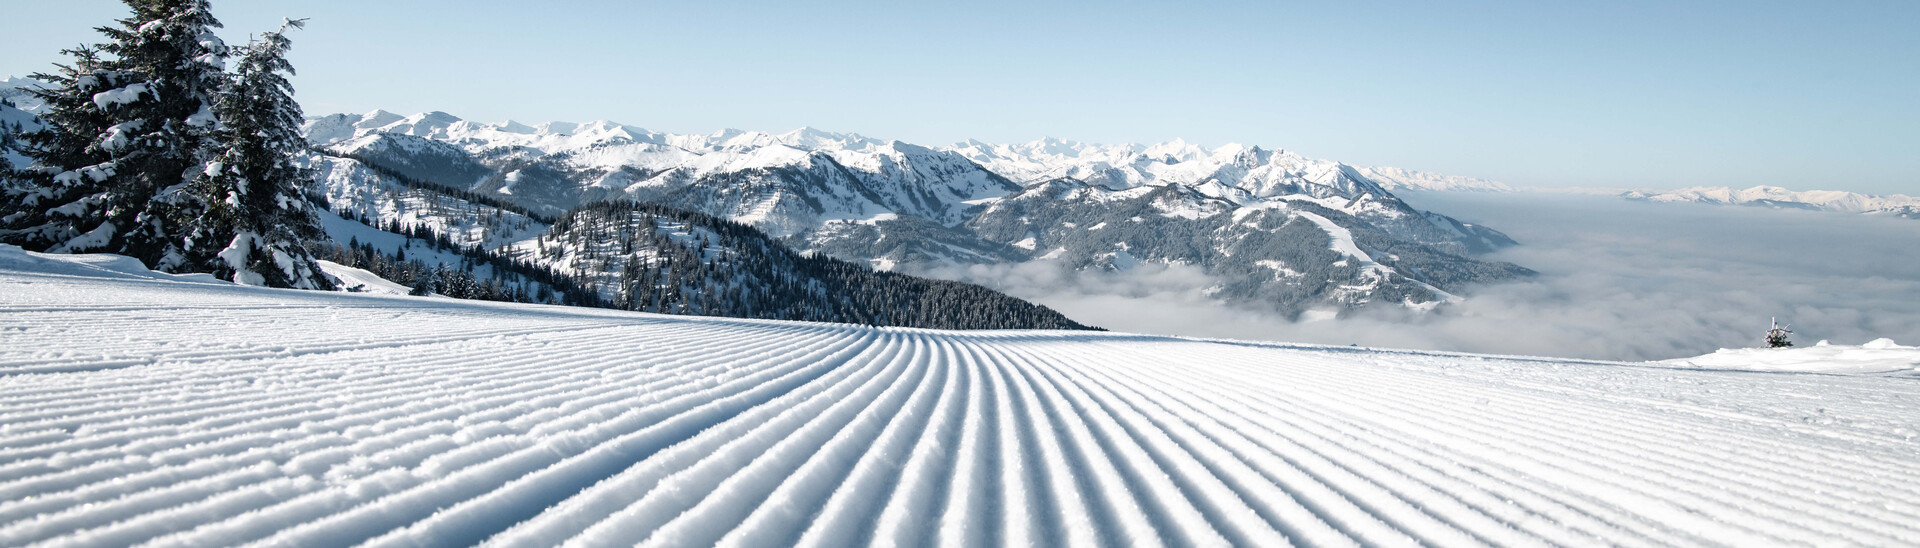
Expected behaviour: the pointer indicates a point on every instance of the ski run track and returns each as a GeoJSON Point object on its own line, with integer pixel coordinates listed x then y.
{"type": "Point", "coordinates": [143, 409]}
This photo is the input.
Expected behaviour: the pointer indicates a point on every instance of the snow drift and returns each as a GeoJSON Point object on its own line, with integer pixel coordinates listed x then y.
{"type": "Point", "coordinates": [1876, 356]}
{"type": "Point", "coordinates": [142, 409]}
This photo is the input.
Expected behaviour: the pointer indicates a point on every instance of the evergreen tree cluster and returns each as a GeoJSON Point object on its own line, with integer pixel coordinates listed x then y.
{"type": "Point", "coordinates": [381, 205]}
{"type": "Point", "coordinates": [480, 273]}
{"type": "Point", "coordinates": [458, 282]}
{"type": "Point", "coordinates": [648, 257]}
{"type": "Point", "coordinates": [415, 183]}
{"type": "Point", "coordinates": [654, 258]}
{"type": "Point", "coordinates": [151, 148]}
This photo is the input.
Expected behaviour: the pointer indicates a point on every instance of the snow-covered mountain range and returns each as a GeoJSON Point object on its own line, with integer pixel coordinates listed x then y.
{"type": "Point", "coordinates": [1175, 161]}
{"type": "Point", "coordinates": [1772, 196]}
{"type": "Point", "coordinates": [1277, 228]}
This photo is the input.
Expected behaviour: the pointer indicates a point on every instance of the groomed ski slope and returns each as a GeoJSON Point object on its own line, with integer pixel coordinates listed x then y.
{"type": "Point", "coordinates": [141, 409]}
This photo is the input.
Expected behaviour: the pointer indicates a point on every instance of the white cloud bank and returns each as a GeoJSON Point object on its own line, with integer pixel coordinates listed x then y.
{"type": "Point", "coordinates": [1619, 280]}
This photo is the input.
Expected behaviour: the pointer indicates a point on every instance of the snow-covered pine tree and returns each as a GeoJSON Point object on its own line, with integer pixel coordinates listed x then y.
{"type": "Point", "coordinates": [428, 282]}
{"type": "Point", "coordinates": [45, 203]}
{"type": "Point", "coordinates": [126, 190]}
{"type": "Point", "coordinates": [257, 218]}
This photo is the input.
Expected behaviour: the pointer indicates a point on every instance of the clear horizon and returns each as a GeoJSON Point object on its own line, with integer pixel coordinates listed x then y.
{"type": "Point", "coordinates": [1635, 95]}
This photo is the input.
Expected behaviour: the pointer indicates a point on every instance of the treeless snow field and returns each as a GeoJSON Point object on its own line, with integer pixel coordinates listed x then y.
{"type": "Point", "coordinates": [145, 409]}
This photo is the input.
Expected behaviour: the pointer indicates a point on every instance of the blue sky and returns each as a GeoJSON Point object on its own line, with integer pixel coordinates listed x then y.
{"type": "Point", "coordinates": [1819, 95]}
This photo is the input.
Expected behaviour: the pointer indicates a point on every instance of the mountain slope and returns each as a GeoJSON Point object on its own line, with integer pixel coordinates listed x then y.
{"type": "Point", "coordinates": [625, 255]}
{"type": "Point", "coordinates": [898, 206]}
{"type": "Point", "coordinates": [660, 259]}
{"type": "Point", "coordinates": [338, 419]}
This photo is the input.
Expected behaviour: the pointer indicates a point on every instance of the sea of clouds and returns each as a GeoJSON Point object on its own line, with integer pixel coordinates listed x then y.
{"type": "Point", "coordinates": [1618, 280]}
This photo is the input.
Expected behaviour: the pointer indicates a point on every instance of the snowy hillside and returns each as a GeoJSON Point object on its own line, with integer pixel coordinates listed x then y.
{"type": "Point", "coordinates": [1773, 196]}
{"type": "Point", "coordinates": [624, 255]}
{"type": "Point", "coordinates": [17, 110]}
{"type": "Point", "coordinates": [1881, 356]}
{"type": "Point", "coordinates": [653, 258]}
{"type": "Point", "coordinates": [13, 122]}
{"type": "Point", "coordinates": [166, 411]}
{"type": "Point", "coordinates": [899, 206]}
{"type": "Point", "coordinates": [13, 89]}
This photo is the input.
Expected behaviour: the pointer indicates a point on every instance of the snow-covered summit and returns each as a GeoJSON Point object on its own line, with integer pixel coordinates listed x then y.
{"type": "Point", "coordinates": [561, 136]}
{"type": "Point", "coordinates": [1394, 178]}
{"type": "Point", "coordinates": [551, 136]}
{"type": "Point", "coordinates": [1116, 166]}
{"type": "Point", "coordinates": [1178, 161]}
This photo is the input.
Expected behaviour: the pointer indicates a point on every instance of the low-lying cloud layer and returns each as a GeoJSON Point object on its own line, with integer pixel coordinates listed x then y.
{"type": "Point", "coordinates": [1619, 280]}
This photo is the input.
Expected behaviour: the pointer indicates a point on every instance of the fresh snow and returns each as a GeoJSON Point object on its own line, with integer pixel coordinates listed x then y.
{"type": "Point", "coordinates": [1341, 238]}
{"type": "Point", "coordinates": [139, 408]}
{"type": "Point", "coordinates": [106, 100]}
{"type": "Point", "coordinates": [236, 256]}
{"type": "Point", "coordinates": [361, 280]}
{"type": "Point", "coordinates": [1876, 356]}
{"type": "Point", "coordinates": [117, 135]}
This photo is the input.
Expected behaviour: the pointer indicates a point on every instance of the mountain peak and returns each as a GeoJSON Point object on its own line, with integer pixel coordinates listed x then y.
{"type": "Point", "coordinates": [812, 138]}
{"type": "Point", "coordinates": [436, 116]}
{"type": "Point", "coordinates": [511, 126]}
{"type": "Point", "coordinates": [379, 118]}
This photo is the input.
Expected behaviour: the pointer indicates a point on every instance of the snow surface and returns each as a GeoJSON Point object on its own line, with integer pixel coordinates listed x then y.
{"type": "Point", "coordinates": [1342, 239]}
{"type": "Point", "coordinates": [1876, 356]}
{"type": "Point", "coordinates": [106, 100]}
{"type": "Point", "coordinates": [361, 280]}
{"type": "Point", "coordinates": [142, 409]}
